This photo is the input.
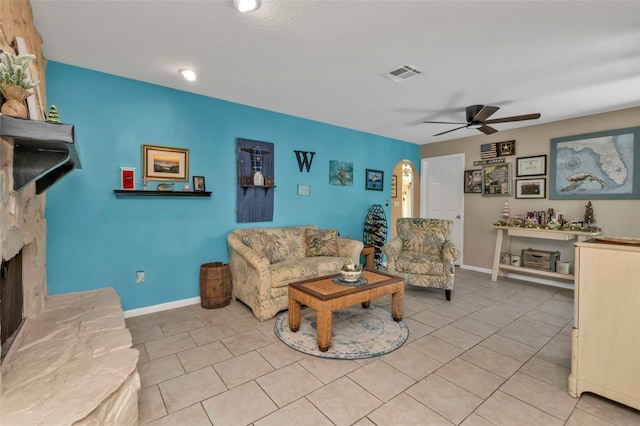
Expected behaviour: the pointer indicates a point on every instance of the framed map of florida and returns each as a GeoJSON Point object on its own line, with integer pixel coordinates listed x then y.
{"type": "Point", "coordinates": [603, 165]}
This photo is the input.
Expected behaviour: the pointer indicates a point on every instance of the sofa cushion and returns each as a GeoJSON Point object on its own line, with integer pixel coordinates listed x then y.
{"type": "Point", "coordinates": [295, 236]}
{"type": "Point", "coordinates": [322, 242]}
{"type": "Point", "coordinates": [419, 263]}
{"type": "Point", "coordinates": [270, 243]}
{"type": "Point", "coordinates": [289, 271]}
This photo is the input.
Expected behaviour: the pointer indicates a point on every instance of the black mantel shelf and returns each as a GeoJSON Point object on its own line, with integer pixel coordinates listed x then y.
{"type": "Point", "coordinates": [42, 152]}
{"type": "Point", "coordinates": [151, 193]}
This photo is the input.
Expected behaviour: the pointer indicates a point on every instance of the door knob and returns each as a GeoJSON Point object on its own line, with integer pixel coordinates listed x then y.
{"type": "Point", "coordinates": [458, 217]}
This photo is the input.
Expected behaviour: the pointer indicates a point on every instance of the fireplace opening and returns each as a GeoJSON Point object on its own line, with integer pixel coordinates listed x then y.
{"type": "Point", "coordinates": [11, 301]}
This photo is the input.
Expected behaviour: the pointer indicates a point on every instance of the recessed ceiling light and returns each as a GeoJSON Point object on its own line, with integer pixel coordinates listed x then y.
{"type": "Point", "coordinates": [246, 5]}
{"type": "Point", "coordinates": [189, 75]}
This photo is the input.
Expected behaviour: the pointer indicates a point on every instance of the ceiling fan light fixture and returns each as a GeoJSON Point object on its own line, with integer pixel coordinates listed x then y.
{"type": "Point", "coordinates": [189, 75]}
{"type": "Point", "coordinates": [246, 5]}
{"type": "Point", "coordinates": [477, 118]}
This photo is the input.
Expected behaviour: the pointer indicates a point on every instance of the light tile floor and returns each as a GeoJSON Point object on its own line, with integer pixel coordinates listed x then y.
{"type": "Point", "coordinates": [498, 353]}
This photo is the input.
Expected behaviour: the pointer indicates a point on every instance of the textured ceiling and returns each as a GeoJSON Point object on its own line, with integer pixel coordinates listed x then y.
{"type": "Point", "coordinates": [325, 60]}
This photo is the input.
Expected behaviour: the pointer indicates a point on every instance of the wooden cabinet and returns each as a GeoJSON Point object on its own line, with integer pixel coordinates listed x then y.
{"type": "Point", "coordinates": [606, 330]}
{"type": "Point", "coordinates": [532, 233]}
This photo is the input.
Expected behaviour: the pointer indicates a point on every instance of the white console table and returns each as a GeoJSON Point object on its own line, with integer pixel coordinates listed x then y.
{"type": "Point", "coordinates": [546, 234]}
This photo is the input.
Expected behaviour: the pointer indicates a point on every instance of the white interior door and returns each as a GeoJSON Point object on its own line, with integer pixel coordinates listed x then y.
{"type": "Point", "coordinates": [442, 195]}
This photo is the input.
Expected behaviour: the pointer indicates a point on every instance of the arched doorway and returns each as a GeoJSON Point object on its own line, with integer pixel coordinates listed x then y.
{"type": "Point", "coordinates": [405, 200]}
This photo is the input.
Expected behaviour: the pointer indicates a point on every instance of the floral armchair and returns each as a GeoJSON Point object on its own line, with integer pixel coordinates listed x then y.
{"type": "Point", "coordinates": [423, 253]}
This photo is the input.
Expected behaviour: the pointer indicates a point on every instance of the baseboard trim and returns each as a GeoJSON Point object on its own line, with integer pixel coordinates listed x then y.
{"type": "Point", "coordinates": [476, 269]}
{"type": "Point", "coordinates": [161, 307]}
{"type": "Point", "coordinates": [196, 300]}
{"type": "Point", "coordinates": [522, 277]}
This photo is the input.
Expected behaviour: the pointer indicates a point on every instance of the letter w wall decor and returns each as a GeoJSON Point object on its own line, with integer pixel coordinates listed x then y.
{"type": "Point", "coordinates": [304, 160]}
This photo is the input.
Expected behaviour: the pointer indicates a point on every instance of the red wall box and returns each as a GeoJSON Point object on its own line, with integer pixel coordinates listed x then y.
{"type": "Point", "coordinates": [128, 177]}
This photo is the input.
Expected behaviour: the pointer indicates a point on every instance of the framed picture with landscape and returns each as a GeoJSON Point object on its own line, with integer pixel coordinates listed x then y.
{"type": "Point", "coordinates": [164, 163]}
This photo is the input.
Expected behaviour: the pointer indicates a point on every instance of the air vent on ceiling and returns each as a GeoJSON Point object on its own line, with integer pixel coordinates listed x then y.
{"type": "Point", "coordinates": [402, 73]}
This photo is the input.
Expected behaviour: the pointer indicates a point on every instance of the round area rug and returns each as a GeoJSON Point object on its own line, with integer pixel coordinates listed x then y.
{"type": "Point", "coordinates": [356, 333]}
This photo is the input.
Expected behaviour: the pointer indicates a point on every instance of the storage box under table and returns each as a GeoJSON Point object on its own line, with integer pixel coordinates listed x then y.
{"type": "Point", "coordinates": [540, 259]}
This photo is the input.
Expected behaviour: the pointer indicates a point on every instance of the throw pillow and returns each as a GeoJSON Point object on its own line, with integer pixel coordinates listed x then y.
{"type": "Point", "coordinates": [265, 245]}
{"type": "Point", "coordinates": [322, 242]}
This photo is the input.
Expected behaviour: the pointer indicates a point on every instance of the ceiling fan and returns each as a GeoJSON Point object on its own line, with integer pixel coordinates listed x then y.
{"type": "Point", "coordinates": [477, 119]}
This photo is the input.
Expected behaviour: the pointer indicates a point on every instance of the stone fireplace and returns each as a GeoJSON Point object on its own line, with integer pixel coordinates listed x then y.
{"type": "Point", "coordinates": [71, 362]}
{"type": "Point", "coordinates": [22, 224]}
{"type": "Point", "coordinates": [11, 301]}
{"type": "Point", "coordinates": [23, 230]}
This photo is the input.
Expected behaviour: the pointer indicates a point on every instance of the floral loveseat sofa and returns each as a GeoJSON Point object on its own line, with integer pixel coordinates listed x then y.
{"type": "Point", "coordinates": [264, 261]}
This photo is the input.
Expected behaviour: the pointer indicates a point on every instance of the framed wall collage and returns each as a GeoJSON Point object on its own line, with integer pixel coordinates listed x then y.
{"type": "Point", "coordinates": [495, 177]}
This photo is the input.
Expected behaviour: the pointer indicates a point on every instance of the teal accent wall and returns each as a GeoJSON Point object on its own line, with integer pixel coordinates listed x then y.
{"type": "Point", "coordinates": [95, 239]}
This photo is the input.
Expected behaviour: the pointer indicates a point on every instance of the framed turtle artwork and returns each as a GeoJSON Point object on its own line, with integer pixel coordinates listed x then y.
{"type": "Point", "coordinates": [340, 173]}
{"type": "Point", "coordinates": [602, 165]}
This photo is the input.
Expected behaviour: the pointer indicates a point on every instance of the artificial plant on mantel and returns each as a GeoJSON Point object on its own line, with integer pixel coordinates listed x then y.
{"type": "Point", "coordinates": [15, 83]}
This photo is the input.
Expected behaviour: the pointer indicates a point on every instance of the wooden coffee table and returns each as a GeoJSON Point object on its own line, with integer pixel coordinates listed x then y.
{"type": "Point", "coordinates": [325, 296]}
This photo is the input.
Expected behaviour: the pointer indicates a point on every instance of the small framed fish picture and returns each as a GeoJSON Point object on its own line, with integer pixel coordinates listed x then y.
{"type": "Point", "coordinates": [375, 180]}
{"type": "Point", "coordinates": [340, 173]}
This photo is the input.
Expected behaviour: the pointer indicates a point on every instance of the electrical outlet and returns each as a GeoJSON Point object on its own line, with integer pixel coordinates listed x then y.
{"type": "Point", "coordinates": [139, 276]}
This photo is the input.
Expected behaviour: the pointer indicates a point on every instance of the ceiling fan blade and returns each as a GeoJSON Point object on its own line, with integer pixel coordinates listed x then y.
{"type": "Point", "coordinates": [514, 118]}
{"type": "Point", "coordinates": [457, 128]}
{"type": "Point", "coordinates": [487, 130]}
{"type": "Point", "coordinates": [443, 122]}
{"type": "Point", "coordinates": [484, 113]}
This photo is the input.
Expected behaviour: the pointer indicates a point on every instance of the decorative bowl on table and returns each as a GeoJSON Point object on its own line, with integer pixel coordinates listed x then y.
{"type": "Point", "coordinates": [350, 276]}
{"type": "Point", "coordinates": [351, 272]}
